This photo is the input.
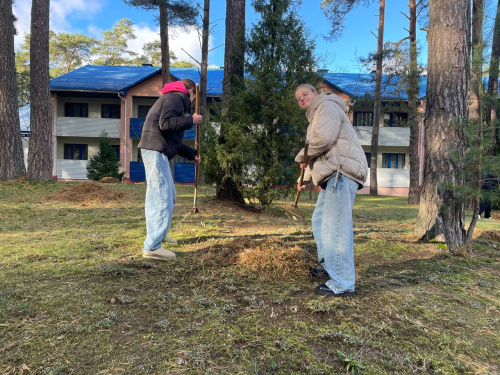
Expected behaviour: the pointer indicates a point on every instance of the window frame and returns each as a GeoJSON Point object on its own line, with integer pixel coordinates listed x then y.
{"type": "Point", "coordinates": [364, 115]}
{"type": "Point", "coordinates": [81, 148]}
{"type": "Point", "coordinates": [112, 109]}
{"type": "Point", "coordinates": [390, 155]}
{"type": "Point", "coordinates": [76, 110]}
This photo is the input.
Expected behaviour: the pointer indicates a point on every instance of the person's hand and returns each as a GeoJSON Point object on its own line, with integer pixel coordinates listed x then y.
{"type": "Point", "coordinates": [197, 119]}
{"type": "Point", "coordinates": [300, 187]}
{"type": "Point", "coordinates": [303, 165]}
{"type": "Point", "coordinates": [197, 159]}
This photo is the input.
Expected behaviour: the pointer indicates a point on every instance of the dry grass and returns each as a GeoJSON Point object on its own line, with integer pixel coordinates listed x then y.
{"type": "Point", "coordinates": [88, 192]}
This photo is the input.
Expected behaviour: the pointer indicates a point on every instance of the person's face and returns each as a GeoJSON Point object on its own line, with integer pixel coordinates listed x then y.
{"type": "Point", "coordinates": [191, 94]}
{"type": "Point", "coordinates": [304, 97]}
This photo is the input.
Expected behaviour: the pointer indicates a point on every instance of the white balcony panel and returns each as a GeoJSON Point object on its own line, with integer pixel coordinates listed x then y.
{"type": "Point", "coordinates": [391, 177]}
{"type": "Point", "coordinates": [387, 136]}
{"type": "Point", "coordinates": [72, 169]}
{"type": "Point", "coordinates": [87, 127]}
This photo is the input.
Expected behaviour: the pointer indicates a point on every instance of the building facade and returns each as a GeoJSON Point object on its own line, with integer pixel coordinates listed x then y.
{"type": "Point", "coordinates": [115, 99]}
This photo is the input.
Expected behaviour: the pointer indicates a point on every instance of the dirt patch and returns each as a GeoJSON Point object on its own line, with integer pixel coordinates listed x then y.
{"type": "Point", "coordinates": [492, 235]}
{"type": "Point", "coordinates": [274, 257]}
{"type": "Point", "coordinates": [88, 192]}
{"type": "Point", "coordinates": [266, 258]}
{"type": "Point", "coordinates": [109, 180]}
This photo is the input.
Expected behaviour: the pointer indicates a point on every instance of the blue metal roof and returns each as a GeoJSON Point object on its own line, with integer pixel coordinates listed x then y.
{"type": "Point", "coordinates": [121, 78]}
{"type": "Point", "coordinates": [363, 85]}
{"type": "Point", "coordinates": [214, 78]}
{"type": "Point", "coordinates": [103, 78]}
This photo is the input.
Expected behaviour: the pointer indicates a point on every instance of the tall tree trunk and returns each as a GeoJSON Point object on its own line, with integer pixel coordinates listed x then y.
{"type": "Point", "coordinates": [378, 101]}
{"type": "Point", "coordinates": [475, 99]}
{"type": "Point", "coordinates": [413, 118]}
{"type": "Point", "coordinates": [11, 149]}
{"type": "Point", "coordinates": [40, 151]}
{"type": "Point", "coordinates": [204, 57]}
{"type": "Point", "coordinates": [492, 107]}
{"type": "Point", "coordinates": [165, 49]}
{"type": "Point", "coordinates": [234, 56]}
{"type": "Point", "coordinates": [234, 49]}
{"type": "Point", "coordinates": [447, 85]}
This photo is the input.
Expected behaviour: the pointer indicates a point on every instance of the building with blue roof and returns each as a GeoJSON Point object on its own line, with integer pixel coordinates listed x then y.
{"type": "Point", "coordinates": [116, 99]}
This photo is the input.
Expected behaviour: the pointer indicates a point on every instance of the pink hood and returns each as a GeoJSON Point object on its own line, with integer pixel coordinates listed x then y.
{"type": "Point", "coordinates": [174, 86]}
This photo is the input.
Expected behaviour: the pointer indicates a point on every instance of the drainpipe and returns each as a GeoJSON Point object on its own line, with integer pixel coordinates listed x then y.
{"type": "Point", "coordinates": [125, 136]}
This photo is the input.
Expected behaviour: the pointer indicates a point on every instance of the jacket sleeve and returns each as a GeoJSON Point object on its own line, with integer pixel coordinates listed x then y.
{"type": "Point", "coordinates": [172, 115]}
{"type": "Point", "coordinates": [325, 132]}
{"type": "Point", "coordinates": [187, 152]}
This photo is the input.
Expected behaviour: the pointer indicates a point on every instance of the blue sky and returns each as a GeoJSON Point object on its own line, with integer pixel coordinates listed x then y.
{"type": "Point", "coordinates": [92, 17]}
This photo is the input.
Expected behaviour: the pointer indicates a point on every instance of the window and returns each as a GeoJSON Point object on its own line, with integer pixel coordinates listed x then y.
{"type": "Point", "coordinates": [75, 151]}
{"type": "Point", "coordinates": [363, 118]}
{"type": "Point", "coordinates": [368, 158]}
{"type": "Point", "coordinates": [395, 119]}
{"type": "Point", "coordinates": [393, 161]}
{"type": "Point", "coordinates": [142, 111]}
{"type": "Point", "coordinates": [110, 111]}
{"type": "Point", "coordinates": [76, 110]}
{"type": "Point", "coordinates": [399, 119]}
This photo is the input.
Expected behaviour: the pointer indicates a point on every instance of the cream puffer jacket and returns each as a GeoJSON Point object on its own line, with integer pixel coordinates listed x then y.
{"type": "Point", "coordinates": [333, 143]}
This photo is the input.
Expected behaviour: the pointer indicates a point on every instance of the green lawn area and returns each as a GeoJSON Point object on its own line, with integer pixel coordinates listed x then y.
{"type": "Point", "coordinates": [76, 296]}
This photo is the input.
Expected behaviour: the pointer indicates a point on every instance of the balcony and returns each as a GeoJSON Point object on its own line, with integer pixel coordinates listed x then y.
{"type": "Point", "coordinates": [136, 125]}
{"type": "Point", "coordinates": [87, 127]}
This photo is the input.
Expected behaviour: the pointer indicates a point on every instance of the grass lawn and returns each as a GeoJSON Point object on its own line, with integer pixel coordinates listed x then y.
{"type": "Point", "coordinates": [76, 296]}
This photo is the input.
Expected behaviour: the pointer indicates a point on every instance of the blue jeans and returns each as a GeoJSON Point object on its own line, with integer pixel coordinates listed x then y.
{"type": "Point", "coordinates": [160, 198]}
{"type": "Point", "coordinates": [332, 230]}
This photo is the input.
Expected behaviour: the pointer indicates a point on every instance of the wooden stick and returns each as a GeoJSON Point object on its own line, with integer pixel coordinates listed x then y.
{"type": "Point", "coordinates": [302, 171]}
{"type": "Point", "coordinates": [196, 167]}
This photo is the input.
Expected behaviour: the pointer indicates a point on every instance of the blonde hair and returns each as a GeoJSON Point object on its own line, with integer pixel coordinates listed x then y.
{"type": "Point", "coordinates": [307, 86]}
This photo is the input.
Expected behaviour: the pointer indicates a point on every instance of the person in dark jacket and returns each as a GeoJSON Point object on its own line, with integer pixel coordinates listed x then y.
{"type": "Point", "coordinates": [161, 140]}
{"type": "Point", "coordinates": [490, 183]}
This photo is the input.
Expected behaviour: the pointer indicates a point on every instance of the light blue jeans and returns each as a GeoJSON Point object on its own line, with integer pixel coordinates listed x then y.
{"type": "Point", "coordinates": [160, 198]}
{"type": "Point", "coordinates": [332, 230]}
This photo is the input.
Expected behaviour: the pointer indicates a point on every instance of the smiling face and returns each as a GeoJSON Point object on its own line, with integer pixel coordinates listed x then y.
{"type": "Point", "coordinates": [304, 97]}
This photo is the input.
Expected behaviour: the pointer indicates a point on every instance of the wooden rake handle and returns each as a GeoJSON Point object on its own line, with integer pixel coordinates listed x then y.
{"type": "Point", "coordinates": [196, 167]}
{"type": "Point", "coordinates": [302, 171]}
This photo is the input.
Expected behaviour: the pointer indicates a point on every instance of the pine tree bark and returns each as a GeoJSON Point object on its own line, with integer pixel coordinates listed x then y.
{"type": "Point", "coordinates": [491, 108]}
{"type": "Point", "coordinates": [204, 57]}
{"type": "Point", "coordinates": [413, 118]}
{"type": "Point", "coordinates": [378, 101]}
{"type": "Point", "coordinates": [40, 150]}
{"type": "Point", "coordinates": [11, 149]}
{"type": "Point", "coordinates": [165, 48]}
{"type": "Point", "coordinates": [234, 49]}
{"type": "Point", "coordinates": [234, 56]}
{"type": "Point", "coordinates": [447, 87]}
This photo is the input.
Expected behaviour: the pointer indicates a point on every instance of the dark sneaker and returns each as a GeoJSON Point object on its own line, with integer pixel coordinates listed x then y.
{"type": "Point", "coordinates": [323, 290]}
{"type": "Point", "coordinates": [320, 273]}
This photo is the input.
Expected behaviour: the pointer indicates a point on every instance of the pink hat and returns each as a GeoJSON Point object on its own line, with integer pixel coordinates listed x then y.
{"type": "Point", "coordinates": [174, 86]}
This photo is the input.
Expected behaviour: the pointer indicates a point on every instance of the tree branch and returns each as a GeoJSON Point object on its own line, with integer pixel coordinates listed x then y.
{"type": "Point", "coordinates": [191, 56]}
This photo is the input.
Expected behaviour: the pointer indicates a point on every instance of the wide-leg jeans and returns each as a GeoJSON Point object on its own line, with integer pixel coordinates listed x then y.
{"type": "Point", "coordinates": [333, 232]}
{"type": "Point", "coordinates": [160, 198]}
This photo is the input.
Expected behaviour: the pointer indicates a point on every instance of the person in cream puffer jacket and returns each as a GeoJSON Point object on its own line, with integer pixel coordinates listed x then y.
{"type": "Point", "coordinates": [337, 163]}
{"type": "Point", "coordinates": [333, 143]}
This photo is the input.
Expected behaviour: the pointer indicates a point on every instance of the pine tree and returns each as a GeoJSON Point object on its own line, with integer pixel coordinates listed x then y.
{"type": "Point", "coordinates": [280, 56]}
{"type": "Point", "coordinates": [105, 163]}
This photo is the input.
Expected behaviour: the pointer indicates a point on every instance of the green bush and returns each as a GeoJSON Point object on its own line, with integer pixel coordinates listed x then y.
{"type": "Point", "coordinates": [104, 163]}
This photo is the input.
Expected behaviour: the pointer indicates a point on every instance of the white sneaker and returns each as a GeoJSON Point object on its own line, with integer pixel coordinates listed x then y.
{"type": "Point", "coordinates": [479, 216]}
{"type": "Point", "coordinates": [159, 253]}
{"type": "Point", "coordinates": [169, 240]}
